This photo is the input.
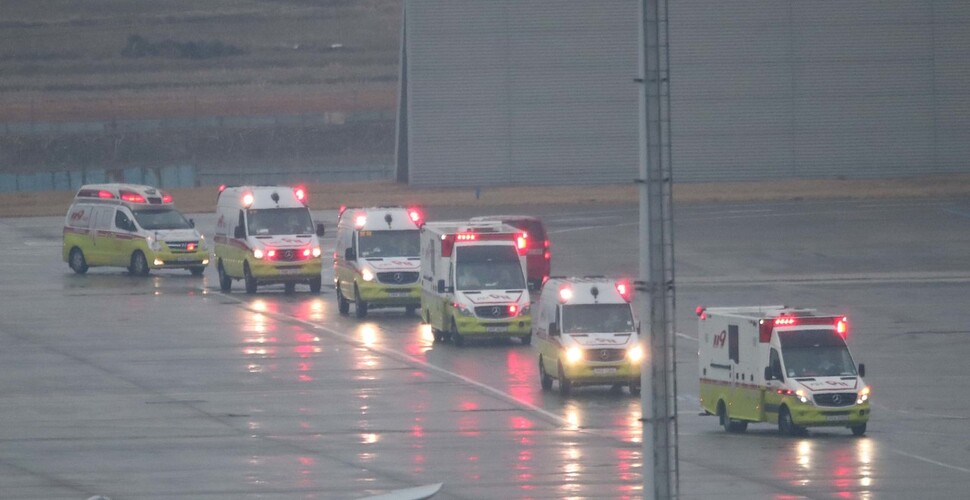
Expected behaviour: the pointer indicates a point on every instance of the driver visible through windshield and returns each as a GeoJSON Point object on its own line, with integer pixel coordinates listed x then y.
{"type": "Point", "coordinates": [279, 221]}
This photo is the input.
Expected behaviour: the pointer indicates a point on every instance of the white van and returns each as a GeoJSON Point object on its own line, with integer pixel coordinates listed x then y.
{"type": "Point", "coordinates": [265, 234]}
{"type": "Point", "coordinates": [133, 226]}
{"type": "Point", "coordinates": [376, 259]}
{"type": "Point", "coordinates": [585, 333]}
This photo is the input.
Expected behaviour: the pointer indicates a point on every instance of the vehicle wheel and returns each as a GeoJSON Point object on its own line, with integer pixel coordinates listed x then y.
{"type": "Point", "coordinates": [457, 337]}
{"type": "Point", "coordinates": [786, 425]}
{"type": "Point", "coordinates": [410, 310]}
{"type": "Point", "coordinates": [565, 385]}
{"type": "Point", "coordinates": [544, 379]}
{"type": "Point", "coordinates": [635, 388]}
{"type": "Point", "coordinates": [858, 430]}
{"type": "Point", "coordinates": [527, 339]}
{"type": "Point", "coordinates": [289, 288]}
{"type": "Point", "coordinates": [197, 271]}
{"type": "Point", "coordinates": [343, 305]}
{"type": "Point", "coordinates": [316, 284]}
{"type": "Point", "coordinates": [77, 261]}
{"type": "Point", "coordinates": [249, 279]}
{"type": "Point", "coordinates": [225, 282]}
{"type": "Point", "coordinates": [729, 424]}
{"type": "Point", "coordinates": [139, 264]}
{"type": "Point", "coordinates": [360, 307]}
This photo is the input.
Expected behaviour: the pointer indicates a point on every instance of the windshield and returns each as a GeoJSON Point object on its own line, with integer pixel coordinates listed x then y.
{"type": "Point", "coordinates": [163, 218]}
{"type": "Point", "coordinates": [389, 243]}
{"type": "Point", "coordinates": [279, 221]}
{"type": "Point", "coordinates": [488, 268]}
{"type": "Point", "coordinates": [597, 318]}
{"type": "Point", "coordinates": [815, 353]}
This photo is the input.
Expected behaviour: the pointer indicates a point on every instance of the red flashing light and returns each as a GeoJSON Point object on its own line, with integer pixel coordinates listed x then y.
{"type": "Point", "coordinates": [306, 252]}
{"type": "Point", "coordinates": [300, 193]}
{"type": "Point", "coordinates": [248, 199]}
{"type": "Point", "coordinates": [416, 216]}
{"type": "Point", "coordinates": [190, 247]}
{"type": "Point", "coordinates": [104, 194]}
{"type": "Point", "coordinates": [513, 310]}
{"type": "Point", "coordinates": [842, 326]}
{"type": "Point", "coordinates": [222, 187]}
{"type": "Point", "coordinates": [166, 198]}
{"type": "Point", "coordinates": [701, 312]}
{"type": "Point", "coordinates": [785, 321]}
{"type": "Point", "coordinates": [270, 254]}
{"type": "Point", "coordinates": [547, 255]}
{"type": "Point", "coordinates": [132, 197]}
{"type": "Point", "coordinates": [565, 294]}
{"type": "Point", "coordinates": [623, 288]}
{"type": "Point", "coordinates": [360, 221]}
{"type": "Point", "coordinates": [545, 243]}
{"type": "Point", "coordinates": [343, 208]}
{"type": "Point", "coordinates": [466, 237]}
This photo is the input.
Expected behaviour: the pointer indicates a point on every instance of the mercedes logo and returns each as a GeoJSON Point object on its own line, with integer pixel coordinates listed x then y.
{"type": "Point", "coordinates": [398, 278]}
{"type": "Point", "coordinates": [496, 311]}
{"type": "Point", "coordinates": [836, 398]}
{"type": "Point", "coordinates": [288, 254]}
{"type": "Point", "coordinates": [604, 354]}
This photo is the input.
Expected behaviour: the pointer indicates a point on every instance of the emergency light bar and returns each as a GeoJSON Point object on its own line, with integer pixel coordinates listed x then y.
{"type": "Point", "coordinates": [766, 326]}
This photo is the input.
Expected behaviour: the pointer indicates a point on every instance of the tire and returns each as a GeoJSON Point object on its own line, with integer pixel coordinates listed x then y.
{"type": "Point", "coordinates": [77, 261]}
{"type": "Point", "coordinates": [343, 305]}
{"type": "Point", "coordinates": [457, 337]}
{"type": "Point", "coordinates": [289, 288]}
{"type": "Point", "coordinates": [138, 265]}
{"type": "Point", "coordinates": [565, 385]}
{"type": "Point", "coordinates": [545, 381]}
{"type": "Point", "coordinates": [729, 424]}
{"type": "Point", "coordinates": [635, 388]}
{"type": "Point", "coordinates": [225, 282]}
{"type": "Point", "coordinates": [250, 280]}
{"type": "Point", "coordinates": [786, 426]}
{"type": "Point", "coordinates": [316, 284]}
{"type": "Point", "coordinates": [197, 271]}
{"type": "Point", "coordinates": [410, 310]}
{"type": "Point", "coordinates": [360, 307]}
{"type": "Point", "coordinates": [527, 340]}
{"type": "Point", "coordinates": [858, 430]}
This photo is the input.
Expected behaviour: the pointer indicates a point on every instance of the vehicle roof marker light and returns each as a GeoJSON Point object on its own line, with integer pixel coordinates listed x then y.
{"type": "Point", "coordinates": [466, 236]}
{"type": "Point", "coordinates": [248, 199]}
{"type": "Point", "coordinates": [522, 243]}
{"type": "Point", "coordinates": [131, 197]}
{"type": "Point", "coordinates": [222, 187]}
{"type": "Point", "coordinates": [623, 288]}
{"type": "Point", "coordinates": [360, 221]}
{"type": "Point", "coordinates": [842, 326]}
{"type": "Point", "coordinates": [105, 194]}
{"type": "Point", "coordinates": [300, 193]}
{"type": "Point", "coordinates": [166, 198]}
{"type": "Point", "coordinates": [701, 312]}
{"type": "Point", "coordinates": [416, 216]}
{"type": "Point", "coordinates": [565, 294]}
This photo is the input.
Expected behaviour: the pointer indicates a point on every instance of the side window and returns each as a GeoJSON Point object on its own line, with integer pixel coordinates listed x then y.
{"type": "Point", "coordinates": [102, 218]}
{"type": "Point", "coordinates": [123, 222]}
{"type": "Point", "coordinates": [733, 351]}
{"type": "Point", "coordinates": [242, 221]}
{"type": "Point", "coordinates": [774, 363]}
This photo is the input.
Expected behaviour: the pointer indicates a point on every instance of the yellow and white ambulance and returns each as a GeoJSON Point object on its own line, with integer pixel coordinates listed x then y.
{"type": "Point", "coordinates": [133, 226]}
{"type": "Point", "coordinates": [782, 365]}
{"type": "Point", "coordinates": [265, 234]}
{"type": "Point", "coordinates": [376, 259]}
{"type": "Point", "coordinates": [585, 333]}
{"type": "Point", "coordinates": [473, 281]}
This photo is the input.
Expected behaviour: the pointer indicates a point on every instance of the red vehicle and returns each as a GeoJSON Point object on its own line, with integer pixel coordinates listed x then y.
{"type": "Point", "coordinates": [539, 256]}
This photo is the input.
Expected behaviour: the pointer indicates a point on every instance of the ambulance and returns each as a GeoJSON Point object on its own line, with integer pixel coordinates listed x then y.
{"type": "Point", "coordinates": [781, 365]}
{"type": "Point", "coordinates": [133, 226]}
{"type": "Point", "coordinates": [377, 258]}
{"type": "Point", "coordinates": [473, 281]}
{"type": "Point", "coordinates": [264, 235]}
{"type": "Point", "coordinates": [585, 333]}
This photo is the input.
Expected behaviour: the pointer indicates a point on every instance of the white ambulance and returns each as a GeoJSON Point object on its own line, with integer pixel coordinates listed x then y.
{"type": "Point", "coordinates": [781, 365]}
{"type": "Point", "coordinates": [473, 281]}
{"type": "Point", "coordinates": [376, 259]}
{"type": "Point", "coordinates": [265, 234]}
{"type": "Point", "coordinates": [585, 333]}
{"type": "Point", "coordinates": [133, 226]}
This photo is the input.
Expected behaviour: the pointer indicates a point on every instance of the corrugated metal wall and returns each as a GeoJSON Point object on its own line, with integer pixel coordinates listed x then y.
{"type": "Point", "coordinates": [541, 91]}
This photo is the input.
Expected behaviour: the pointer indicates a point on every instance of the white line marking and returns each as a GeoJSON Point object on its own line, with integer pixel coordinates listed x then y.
{"type": "Point", "coordinates": [929, 460]}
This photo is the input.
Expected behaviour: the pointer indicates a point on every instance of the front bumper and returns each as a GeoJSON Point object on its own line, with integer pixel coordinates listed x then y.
{"type": "Point", "coordinates": [280, 272]}
{"type": "Point", "coordinates": [592, 373]}
{"type": "Point", "coordinates": [818, 416]}
{"type": "Point", "coordinates": [181, 260]}
{"type": "Point", "coordinates": [519, 326]}
{"type": "Point", "coordinates": [380, 294]}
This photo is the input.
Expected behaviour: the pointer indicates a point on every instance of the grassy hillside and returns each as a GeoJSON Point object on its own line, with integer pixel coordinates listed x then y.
{"type": "Point", "coordinates": [69, 60]}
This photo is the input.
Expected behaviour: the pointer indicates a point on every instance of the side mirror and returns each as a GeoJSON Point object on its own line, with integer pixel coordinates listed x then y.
{"type": "Point", "coordinates": [768, 374]}
{"type": "Point", "coordinates": [553, 329]}
{"type": "Point", "coordinates": [349, 254]}
{"type": "Point", "coordinates": [320, 228]}
{"type": "Point", "coordinates": [862, 369]}
{"type": "Point", "coordinates": [240, 233]}
{"type": "Point", "coordinates": [191, 222]}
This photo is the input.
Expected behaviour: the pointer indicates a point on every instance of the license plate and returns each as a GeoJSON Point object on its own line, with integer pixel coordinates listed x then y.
{"type": "Point", "coordinates": [290, 270]}
{"type": "Point", "coordinates": [395, 295]}
{"type": "Point", "coordinates": [185, 259]}
{"type": "Point", "coordinates": [604, 371]}
{"type": "Point", "coordinates": [836, 418]}
{"type": "Point", "coordinates": [496, 329]}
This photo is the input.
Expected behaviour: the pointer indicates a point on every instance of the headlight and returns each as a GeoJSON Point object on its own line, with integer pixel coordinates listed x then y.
{"type": "Point", "coordinates": [258, 253]}
{"type": "Point", "coordinates": [800, 394]}
{"type": "Point", "coordinates": [863, 396]}
{"type": "Point", "coordinates": [634, 354]}
{"type": "Point", "coordinates": [574, 354]}
{"type": "Point", "coordinates": [366, 274]}
{"type": "Point", "coordinates": [462, 309]}
{"type": "Point", "coordinates": [316, 252]}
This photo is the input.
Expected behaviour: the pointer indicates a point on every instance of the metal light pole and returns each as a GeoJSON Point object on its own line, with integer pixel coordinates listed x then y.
{"type": "Point", "coordinates": [658, 399]}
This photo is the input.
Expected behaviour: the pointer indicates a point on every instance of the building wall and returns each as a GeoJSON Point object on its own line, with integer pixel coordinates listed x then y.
{"type": "Point", "coordinates": [542, 92]}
